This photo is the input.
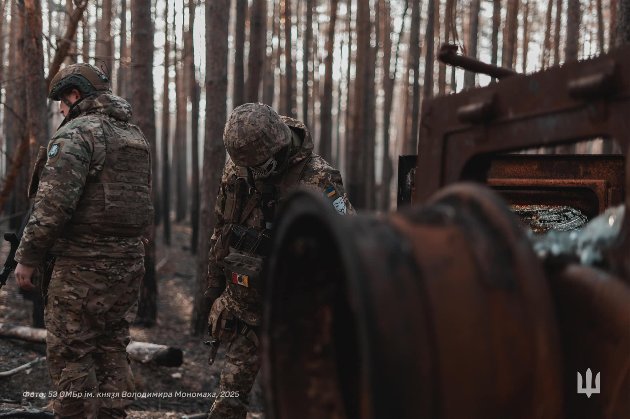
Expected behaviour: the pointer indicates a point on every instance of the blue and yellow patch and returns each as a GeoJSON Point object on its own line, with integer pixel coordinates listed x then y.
{"type": "Point", "coordinates": [337, 201]}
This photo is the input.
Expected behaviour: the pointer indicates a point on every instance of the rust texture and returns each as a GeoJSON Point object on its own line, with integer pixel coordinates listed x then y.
{"type": "Point", "coordinates": [443, 310]}
{"type": "Point", "coordinates": [435, 312]}
{"type": "Point", "coordinates": [578, 101]}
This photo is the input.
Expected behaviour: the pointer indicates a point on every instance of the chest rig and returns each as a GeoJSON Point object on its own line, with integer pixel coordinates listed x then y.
{"type": "Point", "coordinates": [254, 205]}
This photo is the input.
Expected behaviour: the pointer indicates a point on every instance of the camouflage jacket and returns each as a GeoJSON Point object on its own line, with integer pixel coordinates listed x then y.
{"type": "Point", "coordinates": [305, 169]}
{"type": "Point", "coordinates": [76, 157]}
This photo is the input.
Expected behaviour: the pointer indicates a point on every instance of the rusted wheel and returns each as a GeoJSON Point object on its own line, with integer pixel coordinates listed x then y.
{"type": "Point", "coordinates": [593, 311]}
{"type": "Point", "coordinates": [437, 312]}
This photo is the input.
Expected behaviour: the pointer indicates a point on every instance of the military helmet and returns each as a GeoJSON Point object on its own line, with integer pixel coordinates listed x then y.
{"type": "Point", "coordinates": [84, 77]}
{"type": "Point", "coordinates": [254, 133]}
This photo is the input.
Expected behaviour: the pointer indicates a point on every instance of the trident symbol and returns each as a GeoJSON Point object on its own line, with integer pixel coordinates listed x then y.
{"type": "Point", "coordinates": [588, 389]}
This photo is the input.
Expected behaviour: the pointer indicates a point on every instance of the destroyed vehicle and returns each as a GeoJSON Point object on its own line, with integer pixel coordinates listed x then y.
{"type": "Point", "coordinates": [453, 307]}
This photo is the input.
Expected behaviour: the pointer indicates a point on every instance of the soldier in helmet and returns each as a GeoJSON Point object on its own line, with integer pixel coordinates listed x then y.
{"type": "Point", "coordinates": [269, 155]}
{"type": "Point", "coordinates": [90, 211]}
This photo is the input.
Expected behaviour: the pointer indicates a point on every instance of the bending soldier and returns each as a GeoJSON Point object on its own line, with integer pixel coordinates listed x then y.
{"type": "Point", "coordinates": [269, 156]}
{"type": "Point", "coordinates": [90, 211]}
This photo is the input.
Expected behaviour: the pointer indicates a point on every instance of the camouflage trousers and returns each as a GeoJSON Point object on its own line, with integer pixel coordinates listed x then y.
{"type": "Point", "coordinates": [242, 362]}
{"type": "Point", "coordinates": [90, 304]}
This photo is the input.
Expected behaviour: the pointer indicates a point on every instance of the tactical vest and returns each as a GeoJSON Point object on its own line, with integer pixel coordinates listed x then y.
{"type": "Point", "coordinates": [117, 201]}
{"type": "Point", "coordinates": [247, 244]}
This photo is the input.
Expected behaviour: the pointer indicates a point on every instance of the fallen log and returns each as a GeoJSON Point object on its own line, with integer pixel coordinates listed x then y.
{"type": "Point", "coordinates": [29, 334]}
{"type": "Point", "coordinates": [143, 352]}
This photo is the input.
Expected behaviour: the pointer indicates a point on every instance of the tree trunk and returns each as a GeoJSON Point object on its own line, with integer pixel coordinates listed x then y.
{"type": "Point", "coordinates": [600, 27]}
{"type": "Point", "coordinates": [496, 25]}
{"type": "Point", "coordinates": [3, 4]}
{"type": "Point", "coordinates": [614, 9]}
{"type": "Point", "coordinates": [193, 87]}
{"type": "Point", "coordinates": [447, 32]}
{"type": "Point", "coordinates": [269, 77]}
{"type": "Point", "coordinates": [430, 59]}
{"type": "Point", "coordinates": [358, 146]}
{"type": "Point", "coordinates": [166, 127]}
{"type": "Point", "coordinates": [85, 42]}
{"type": "Point", "coordinates": [473, 40]}
{"type": "Point", "coordinates": [574, 15]}
{"type": "Point", "coordinates": [547, 43]}
{"type": "Point", "coordinates": [289, 71]}
{"type": "Point", "coordinates": [308, 38]}
{"type": "Point", "coordinates": [525, 38]}
{"type": "Point", "coordinates": [104, 45]}
{"type": "Point", "coordinates": [314, 117]}
{"type": "Point", "coordinates": [180, 151]}
{"type": "Point", "coordinates": [414, 67]}
{"type": "Point", "coordinates": [257, 48]}
{"type": "Point", "coordinates": [71, 57]}
{"type": "Point", "coordinates": [389, 80]}
{"type": "Point", "coordinates": [15, 119]}
{"type": "Point", "coordinates": [36, 92]}
{"type": "Point", "coordinates": [36, 111]}
{"type": "Point", "coordinates": [556, 36]}
{"type": "Point", "coordinates": [65, 42]}
{"type": "Point", "coordinates": [144, 113]}
{"type": "Point", "coordinates": [325, 143]}
{"type": "Point", "coordinates": [370, 181]}
{"type": "Point", "coordinates": [334, 160]}
{"type": "Point", "coordinates": [122, 82]}
{"type": "Point", "coordinates": [349, 84]}
{"type": "Point", "coordinates": [239, 53]}
{"type": "Point", "coordinates": [623, 22]}
{"type": "Point", "coordinates": [217, 16]}
{"type": "Point", "coordinates": [509, 34]}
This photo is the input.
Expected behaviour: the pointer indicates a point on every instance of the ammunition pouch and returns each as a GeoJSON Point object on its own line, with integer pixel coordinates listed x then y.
{"type": "Point", "coordinates": [243, 268]}
{"type": "Point", "coordinates": [250, 240]}
{"type": "Point", "coordinates": [248, 248]}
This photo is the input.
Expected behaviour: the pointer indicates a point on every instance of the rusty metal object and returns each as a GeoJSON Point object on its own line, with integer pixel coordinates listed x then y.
{"type": "Point", "coordinates": [580, 100]}
{"type": "Point", "coordinates": [448, 55]}
{"type": "Point", "coordinates": [532, 111]}
{"type": "Point", "coordinates": [588, 183]}
{"type": "Point", "coordinates": [594, 323]}
{"type": "Point", "coordinates": [437, 312]}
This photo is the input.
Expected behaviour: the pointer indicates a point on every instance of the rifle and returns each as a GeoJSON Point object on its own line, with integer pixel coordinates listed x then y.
{"type": "Point", "coordinates": [14, 241]}
{"type": "Point", "coordinates": [9, 263]}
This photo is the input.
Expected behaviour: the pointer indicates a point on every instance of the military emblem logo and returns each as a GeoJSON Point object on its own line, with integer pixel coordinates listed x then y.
{"type": "Point", "coordinates": [337, 201]}
{"type": "Point", "coordinates": [54, 150]}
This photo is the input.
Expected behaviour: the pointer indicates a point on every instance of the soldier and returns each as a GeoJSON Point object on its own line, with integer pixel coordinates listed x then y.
{"type": "Point", "coordinates": [269, 156]}
{"type": "Point", "coordinates": [90, 211]}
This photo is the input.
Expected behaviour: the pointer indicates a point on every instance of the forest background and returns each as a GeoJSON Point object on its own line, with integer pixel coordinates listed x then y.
{"type": "Point", "coordinates": [355, 71]}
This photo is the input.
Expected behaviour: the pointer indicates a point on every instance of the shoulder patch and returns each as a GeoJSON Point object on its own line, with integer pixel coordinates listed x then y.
{"type": "Point", "coordinates": [337, 201]}
{"type": "Point", "coordinates": [54, 150]}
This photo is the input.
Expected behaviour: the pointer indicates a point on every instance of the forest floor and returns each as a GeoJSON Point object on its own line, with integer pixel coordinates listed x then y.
{"type": "Point", "coordinates": [175, 286]}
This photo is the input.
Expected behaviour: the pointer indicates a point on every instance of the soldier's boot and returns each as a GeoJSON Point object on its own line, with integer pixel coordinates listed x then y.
{"type": "Point", "coordinates": [77, 379]}
{"type": "Point", "coordinates": [114, 376]}
{"type": "Point", "coordinates": [242, 363]}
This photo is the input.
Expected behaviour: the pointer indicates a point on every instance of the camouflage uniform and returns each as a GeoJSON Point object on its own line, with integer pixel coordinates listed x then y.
{"type": "Point", "coordinates": [90, 211]}
{"type": "Point", "coordinates": [236, 314]}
